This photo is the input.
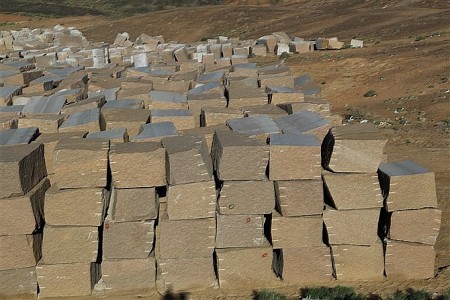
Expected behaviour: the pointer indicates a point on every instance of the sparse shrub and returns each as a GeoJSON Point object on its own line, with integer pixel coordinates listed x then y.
{"type": "Point", "coordinates": [370, 93]}
{"type": "Point", "coordinates": [284, 55]}
{"type": "Point", "coordinates": [419, 38]}
{"type": "Point", "coordinates": [357, 114]}
{"type": "Point", "coordinates": [411, 294]}
{"type": "Point", "coordinates": [336, 293]}
{"type": "Point", "coordinates": [268, 295]}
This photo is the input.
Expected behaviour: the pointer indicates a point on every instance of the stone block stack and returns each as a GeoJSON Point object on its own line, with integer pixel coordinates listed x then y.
{"type": "Point", "coordinates": [244, 255]}
{"type": "Point", "coordinates": [412, 220]}
{"type": "Point", "coordinates": [351, 156]}
{"type": "Point", "coordinates": [187, 225]}
{"type": "Point", "coordinates": [129, 231]}
{"type": "Point", "coordinates": [296, 230]}
{"type": "Point", "coordinates": [22, 191]}
{"type": "Point", "coordinates": [75, 209]}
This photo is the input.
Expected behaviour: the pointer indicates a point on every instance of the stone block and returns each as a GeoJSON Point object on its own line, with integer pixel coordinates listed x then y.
{"type": "Point", "coordinates": [166, 100]}
{"type": "Point", "coordinates": [352, 190]}
{"type": "Point", "coordinates": [137, 165]}
{"type": "Point", "coordinates": [76, 207]}
{"type": "Point", "coordinates": [418, 225]}
{"type": "Point", "coordinates": [155, 132]}
{"type": "Point", "coordinates": [8, 92]}
{"type": "Point", "coordinates": [238, 231]}
{"type": "Point", "coordinates": [239, 157]}
{"type": "Point", "coordinates": [44, 105]}
{"type": "Point", "coordinates": [128, 239]}
{"type": "Point", "coordinates": [87, 120]}
{"type": "Point", "coordinates": [18, 282]}
{"type": "Point", "coordinates": [123, 104]}
{"type": "Point", "coordinates": [82, 105]}
{"type": "Point", "coordinates": [66, 245]}
{"type": "Point", "coordinates": [241, 96]}
{"type": "Point", "coordinates": [16, 161]}
{"type": "Point", "coordinates": [406, 261]}
{"type": "Point", "coordinates": [407, 185]}
{"type": "Point", "coordinates": [81, 163]}
{"type": "Point", "coordinates": [359, 263]}
{"type": "Point", "coordinates": [281, 94]}
{"type": "Point", "coordinates": [124, 276]}
{"type": "Point", "coordinates": [66, 280]}
{"type": "Point", "coordinates": [133, 204]}
{"type": "Point", "coordinates": [294, 156]}
{"type": "Point", "coordinates": [354, 43]}
{"type": "Point", "coordinates": [296, 198]}
{"type": "Point", "coordinates": [246, 268]}
{"type": "Point", "coordinates": [260, 125]}
{"type": "Point", "coordinates": [234, 198]}
{"type": "Point", "coordinates": [188, 159]}
{"type": "Point", "coordinates": [20, 251]}
{"type": "Point", "coordinates": [186, 274]}
{"type": "Point", "coordinates": [355, 148]}
{"type": "Point", "coordinates": [18, 136]}
{"type": "Point", "coordinates": [353, 227]}
{"type": "Point", "coordinates": [45, 123]}
{"type": "Point", "coordinates": [270, 41]}
{"type": "Point", "coordinates": [305, 265]}
{"type": "Point", "coordinates": [24, 214]}
{"type": "Point", "coordinates": [211, 116]}
{"type": "Point", "coordinates": [266, 109]}
{"type": "Point", "coordinates": [181, 118]}
{"type": "Point", "coordinates": [306, 122]}
{"type": "Point", "coordinates": [192, 200]}
{"type": "Point", "coordinates": [131, 119]}
{"type": "Point", "coordinates": [207, 132]}
{"type": "Point", "coordinates": [115, 135]}
{"type": "Point", "coordinates": [295, 232]}
{"type": "Point", "coordinates": [8, 123]}
{"type": "Point", "coordinates": [278, 80]}
{"type": "Point", "coordinates": [259, 50]}
{"type": "Point", "coordinates": [50, 140]}
{"type": "Point", "coordinates": [184, 238]}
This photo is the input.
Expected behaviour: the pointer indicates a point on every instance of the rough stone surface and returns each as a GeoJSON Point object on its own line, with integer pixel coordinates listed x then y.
{"type": "Point", "coordinates": [192, 200]}
{"type": "Point", "coordinates": [16, 163]}
{"type": "Point", "coordinates": [24, 214]}
{"type": "Point", "coordinates": [360, 263]}
{"type": "Point", "coordinates": [136, 165]}
{"type": "Point", "coordinates": [405, 261]}
{"type": "Point", "coordinates": [128, 239]}
{"type": "Point", "coordinates": [246, 197]}
{"type": "Point", "coordinates": [294, 232]}
{"type": "Point", "coordinates": [299, 197]}
{"type": "Point", "coordinates": [240, 231]}
{"type": "Point", "coordinates": [355, 227]}
{"type": "Point", "coordinates": [81, 163]}
{"type": "Point", "coordinates": [66, 245]}
{"type": "Point", "coordinates": [76, 207]}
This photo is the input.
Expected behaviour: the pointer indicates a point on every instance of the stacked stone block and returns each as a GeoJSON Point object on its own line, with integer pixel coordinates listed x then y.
{"type": "Point", "coordinates": [412, 219]}
{"type": "Point", "coordinates": [351, 156]}
{"type": "Point", "coordinates": [75, 209]}
{"type": "Point", "coordinates": [187, 224]}
{"type": "Point", "coordinates": [296, 231]}
{"type": "Point", "coordinates": [22, 191]}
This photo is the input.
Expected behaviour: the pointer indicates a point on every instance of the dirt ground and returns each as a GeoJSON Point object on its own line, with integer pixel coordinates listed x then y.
{"type": "Point", "coordinates": [406, 60]}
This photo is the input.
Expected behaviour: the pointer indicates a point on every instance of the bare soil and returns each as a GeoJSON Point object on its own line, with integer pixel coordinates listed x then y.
{"type": "Point", "coordinates": [406, 60]}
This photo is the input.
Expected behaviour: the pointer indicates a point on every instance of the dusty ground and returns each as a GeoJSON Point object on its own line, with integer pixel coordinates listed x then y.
{"type": "Point", "coordinates": [406, 60]}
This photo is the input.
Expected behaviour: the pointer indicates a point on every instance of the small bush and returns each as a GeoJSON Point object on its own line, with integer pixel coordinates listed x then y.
{"type": "Point", "coordinates": [284, 55]}
{"type": "Point", "coordinates": [268, 295]}
{"type": "Point", "coordinates": [411, 294]}
{"type": "Point", "coordinates": [336, 293]}
{"type": "Point", "coordinates": [370, 93]}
